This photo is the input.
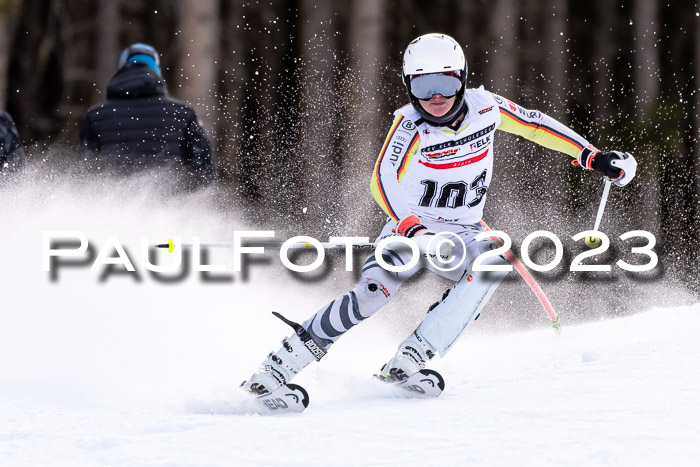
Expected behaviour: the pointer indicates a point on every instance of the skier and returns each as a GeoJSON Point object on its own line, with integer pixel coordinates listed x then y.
{"type": "Point", "coordinates": [140, 126]}
{"type": "Point", "coordinates": [432, 175]}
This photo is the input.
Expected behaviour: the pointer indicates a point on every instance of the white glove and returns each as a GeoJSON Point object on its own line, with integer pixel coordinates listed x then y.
{"type": "Point", "coordinates": [627, 164]}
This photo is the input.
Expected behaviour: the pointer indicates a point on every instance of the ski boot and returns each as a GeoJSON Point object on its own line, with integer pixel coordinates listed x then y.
{"type": "Point", "coordinates": [411, 357]}
{"type": "Point", "coordinates": [279, 368]}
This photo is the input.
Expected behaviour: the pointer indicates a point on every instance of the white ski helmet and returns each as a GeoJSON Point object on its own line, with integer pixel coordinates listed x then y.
{"type": "Point", "coordinates": [436, 53]}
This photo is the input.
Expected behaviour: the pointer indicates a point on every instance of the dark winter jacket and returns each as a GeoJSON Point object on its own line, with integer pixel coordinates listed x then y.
{"type": "Point", "coordinates": [11, 152]}
{"type": "Point", "coordinates": [139, 126]}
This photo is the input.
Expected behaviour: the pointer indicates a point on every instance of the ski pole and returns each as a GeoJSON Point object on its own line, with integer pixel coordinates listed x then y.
{"type": "Point", "coordinates": [534, 286]}
{"type": "Point", "coordinates": [295, 246]}
{"type": "Point", "coordinates": [593, 242]}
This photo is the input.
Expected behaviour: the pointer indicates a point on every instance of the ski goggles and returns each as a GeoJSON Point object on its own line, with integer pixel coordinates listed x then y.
{"type": "Point", "coordinates": [426, 86]}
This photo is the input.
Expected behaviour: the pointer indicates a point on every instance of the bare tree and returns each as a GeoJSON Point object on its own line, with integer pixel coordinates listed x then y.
{"type": "Point", "coordinates": [4, 56]}
{"type": "Point", "coordinates": [75, 65]}
{"type": "Point", "coordinates": [8, 14]}
{"type": "Point", "coordinates": [107, 50]}
{"type": "Point", "coordinates": [363, 133]}
{"type": "Point", "coordinates": [319, 123]}
{"type": "Point", "coordinates": [555, 64]}
{"type": "Point", "coordinates": [646, 56]}
{"type": "Point", "coordinates": [199, 58]}
{"type": "Point", "coordinates": [696, 122]}
{"type": "Point", "coordinates": [230, 93]}
{"type": "Point", "coordinates": [645, 74]}
{"type": "Point", "coordinates": [261, 97]}
{"type": "Point", "coordinates": [367, 51]}
{"type": "Point", "coordinates": [475, 40]}
{"type": "Point", "coordinates": [503, 58]}
{"type": "Point", "coordinates": [556, 33]}
{"type": "Point", "coordinates": [603, 58]}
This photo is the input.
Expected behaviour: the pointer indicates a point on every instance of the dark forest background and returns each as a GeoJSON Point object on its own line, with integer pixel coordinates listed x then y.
{"type": "Point", "coordinates": [296, 97]}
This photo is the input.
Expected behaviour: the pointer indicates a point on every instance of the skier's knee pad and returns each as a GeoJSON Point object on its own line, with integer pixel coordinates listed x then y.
{"type": "Point", "coordinates": [373, 293]}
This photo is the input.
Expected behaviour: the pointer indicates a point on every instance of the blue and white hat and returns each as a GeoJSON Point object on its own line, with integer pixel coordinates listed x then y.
{"type": "Point", "coordinates": [142, 53]}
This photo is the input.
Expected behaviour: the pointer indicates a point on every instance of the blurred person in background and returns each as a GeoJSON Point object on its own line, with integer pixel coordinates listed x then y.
{"type": "Point", "coordinates": [11, 152]}
{"type": "Point", "coordinates": [140, 126]}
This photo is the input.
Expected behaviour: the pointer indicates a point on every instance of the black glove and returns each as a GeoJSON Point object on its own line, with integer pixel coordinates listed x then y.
{"type": "Point", "coordinates": [614, 165]}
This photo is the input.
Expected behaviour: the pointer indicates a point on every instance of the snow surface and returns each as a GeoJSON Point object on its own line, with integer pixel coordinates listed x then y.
{"type": "Point", "coordinates": [140, 372]}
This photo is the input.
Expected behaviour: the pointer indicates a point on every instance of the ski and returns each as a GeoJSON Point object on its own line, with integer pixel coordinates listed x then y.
{"type": "Point", "coordinates": [424, 384]}
{"type": "Point", "coordinates": [285, 399]}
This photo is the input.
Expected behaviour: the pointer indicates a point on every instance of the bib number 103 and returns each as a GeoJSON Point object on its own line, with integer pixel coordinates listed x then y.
{"type": "Point", "coordinates": [453, 194]}
{"type": "Point", "coordinates": [576, 265]}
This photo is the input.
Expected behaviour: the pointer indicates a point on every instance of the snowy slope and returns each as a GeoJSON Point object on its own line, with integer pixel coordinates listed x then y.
{"type": "Point", "coordinates": [134, 371]}
{"type": "Point", "coordinates": [619, 392]}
